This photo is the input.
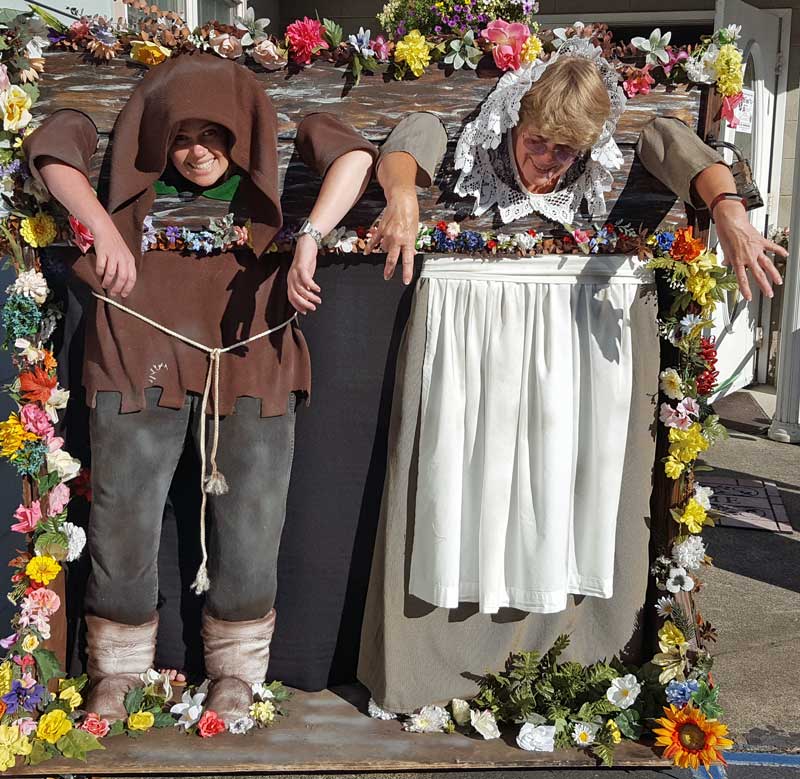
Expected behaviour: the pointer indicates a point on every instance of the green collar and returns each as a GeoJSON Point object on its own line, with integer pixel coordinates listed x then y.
{"type": "Point", "coordinates": [224, 191]}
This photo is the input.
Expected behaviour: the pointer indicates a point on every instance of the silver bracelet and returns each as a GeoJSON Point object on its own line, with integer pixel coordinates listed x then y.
{"type": "Point", "coordinates": [307, 228]}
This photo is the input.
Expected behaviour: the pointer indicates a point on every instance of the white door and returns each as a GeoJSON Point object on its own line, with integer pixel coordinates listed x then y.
{"type": "Point", "coordinates": [739, 326]}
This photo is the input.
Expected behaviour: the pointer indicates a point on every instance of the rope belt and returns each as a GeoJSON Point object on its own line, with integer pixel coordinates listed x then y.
{"type": "Point", "coordinates": [215, 482]}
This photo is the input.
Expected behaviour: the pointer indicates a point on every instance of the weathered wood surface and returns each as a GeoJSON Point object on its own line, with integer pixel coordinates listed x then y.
{"type": "Point", "coordinates": [325, 732]}
{"type": "Point", "coordinates": [374, 108]}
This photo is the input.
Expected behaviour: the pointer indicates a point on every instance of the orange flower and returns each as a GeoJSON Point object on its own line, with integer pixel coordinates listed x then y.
{"type": "Point", "coordinates": [49, 361]}
{"type": "Point", "coordinates": [685, 247]}
{"type": "Point", "coordinates": [36, 385]}
{"type": "Point", "coordinates": [690, 739]}
{"type": "Point", "coordinates": [3, 708]}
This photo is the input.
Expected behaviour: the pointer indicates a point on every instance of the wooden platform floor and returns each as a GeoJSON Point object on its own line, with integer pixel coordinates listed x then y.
{"type": "Point", "coordinates": [327, 732]}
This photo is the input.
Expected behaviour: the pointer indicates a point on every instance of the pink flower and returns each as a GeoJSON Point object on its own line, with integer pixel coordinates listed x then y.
{"type": "Point", "coordinates": [581, 236]}
{"type": "Point", "coordinates": [728, 110]}
{"type": "Point", "coordinates": [81, 235]}
{"type": "Point", "coordinates": [54, 443]}
{"type": "Point", "coordinates": [674, 59]}
{"type": "Point", "coordinates": [5, 82]}
{"type": "Point", "coordinates": [35, 420]}
{"type": "Point", "coordinates": [381, 48]}
{"type": "Point", "coordinates": [305, 39]}
{"type": "Point", "coordinates": [689, 406]}
{"type": "Point", "coordinates": [266, 54]}
{"type": "Point", "coordinates": [508, 40]}
{"type": "Point", "coordinates": [95, 725]}
{"type": "Point", "coordinates": [28, 517]}
{"type": "Point", "coordinates": [9, 641]}
{"type": "Point", "coordinates": [27, 680]}
{"type": "Point", "coordinates": [26, 726]}
{"type": "Point", "coordinates": [45, 600]}
{"type": "Point", "coordinates": [210, 724]}
{"type": "Point", "coordinates": [79, 29]}
{"type": "Point", "coordinates": [639, 82]}
{"type": "Point", "coordinates": [227, 46]}
{"type": "Point", "coordinates": [672, 417]}
{"type": "Point", "coordinates": [57, 499]}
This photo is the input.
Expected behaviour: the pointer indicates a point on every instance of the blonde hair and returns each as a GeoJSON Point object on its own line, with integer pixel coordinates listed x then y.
{"type": "Point", "coordinates": [568, 105]}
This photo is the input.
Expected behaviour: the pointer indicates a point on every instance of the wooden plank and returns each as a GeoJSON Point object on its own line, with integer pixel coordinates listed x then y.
{"type": "Point", "coordinates": [374, 107]}
{"type": "Point", "coordinates": [326, 731]}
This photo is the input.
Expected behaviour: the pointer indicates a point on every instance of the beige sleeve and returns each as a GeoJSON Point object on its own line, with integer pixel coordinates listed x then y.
{"type": "Point", "coordinates": [675, 154]}
{"type": "Point", "coordinates": [422, 135]}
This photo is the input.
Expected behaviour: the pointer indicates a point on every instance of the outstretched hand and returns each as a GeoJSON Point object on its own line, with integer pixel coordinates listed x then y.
{"type": "Point", "coordinates": [746, 250]}
{"type": "Point", "coordinates": [302, 290]}
{"type": "Point", "coordinates": [396, 232]}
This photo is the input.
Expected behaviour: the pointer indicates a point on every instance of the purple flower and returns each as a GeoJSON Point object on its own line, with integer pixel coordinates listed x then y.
{"type": "Point", "coordinates": [54, 37]}
{"type": "Point", "coordinates": [21, 698]}
{"type": "Point", "coordinates": [173, 233]}
{"type": "Point", "coordinates": [437, 29]}
{"type": "Point", "coordinates": [9, 641]}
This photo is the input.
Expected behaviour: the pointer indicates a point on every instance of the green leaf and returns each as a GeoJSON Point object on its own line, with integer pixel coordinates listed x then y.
{"type": "Point", "coordinates": [10, 16]}
{"type": "Point", "coordinates": [117, 728]}
{"type": "Point", "coordinates": [356, 69]}
{"type": "Point", "coordinates": [707, 700]}
{"type": "Point", "coordinates": [604, 753]}
{"type": "Point", "coordinates": [53, 544]}
{"type": "Point", "coordinates": [32, 91]}
{"type": "Point", "coordinates": [47, 482]}
{"type": "Point", "coordinates": [49, 667]}
{"type": "Point", "coordinates": [629, 724]}
{"type": "Point", "coordinates": [48, 18]}
{"type": "Point", "coordinates": [163, 719]}
{"type": "Point", "coordinates": [333, 32]}
{"type": "Point", "coordinates": [134, 700]}
{"type": "Point", "coordinates": [77, 743]}
{"type": "Point", "coordinates": [40, 752]}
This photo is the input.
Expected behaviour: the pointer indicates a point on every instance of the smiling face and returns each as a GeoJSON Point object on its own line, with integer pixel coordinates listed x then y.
{"type": "Point", "coordinates": [200, 152]}
{"type": "Point", "coordinates": [540, 161]}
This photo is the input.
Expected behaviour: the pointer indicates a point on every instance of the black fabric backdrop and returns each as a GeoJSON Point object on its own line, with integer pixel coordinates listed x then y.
{"type": "Point", "coordinates": [334, 496]}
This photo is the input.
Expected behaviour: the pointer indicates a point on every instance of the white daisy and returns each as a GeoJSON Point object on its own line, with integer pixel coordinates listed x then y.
{"type": "Point", "coordinates": [665, 606]}
{"type": "Point", "coordinates": [583, 734]}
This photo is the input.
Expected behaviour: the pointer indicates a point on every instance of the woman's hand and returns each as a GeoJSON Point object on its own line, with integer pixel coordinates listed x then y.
{"type": "Point", "coordinates": [302, 289]}
{"type": "Point", "coordinates": [396, 231]}
{"type": "Point", "coordinates": [115, 265]}
{"type": "Point", "coordinates": [746, 249]}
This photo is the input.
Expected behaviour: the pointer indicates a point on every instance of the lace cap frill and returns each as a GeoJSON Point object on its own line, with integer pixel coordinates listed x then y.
{"type": "Point", "coordinates": [479, 148]}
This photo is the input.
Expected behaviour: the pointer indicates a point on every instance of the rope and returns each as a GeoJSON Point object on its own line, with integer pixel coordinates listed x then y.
{"type": "Point", "coordinates": [215, 482]}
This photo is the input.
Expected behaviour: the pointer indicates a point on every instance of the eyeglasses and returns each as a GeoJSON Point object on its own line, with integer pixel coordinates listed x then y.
{"type": "Point", "coordinates": [538, 146]}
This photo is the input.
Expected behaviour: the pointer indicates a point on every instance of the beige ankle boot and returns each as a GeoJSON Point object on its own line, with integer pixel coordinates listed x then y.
{"type": "Point", "coordinates": [237, 656]}
{"type": "Point", "coordinates": [118, 653]}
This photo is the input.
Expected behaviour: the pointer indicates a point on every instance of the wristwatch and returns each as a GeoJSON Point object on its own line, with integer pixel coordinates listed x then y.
{"type": "Point", "coordinates": [307, 228]}
{"type": "Point", "coordinates": [725, 196]}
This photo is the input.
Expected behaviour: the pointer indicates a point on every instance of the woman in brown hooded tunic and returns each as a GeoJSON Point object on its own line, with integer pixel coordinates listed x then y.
{"type": "Point", "coordinates": [147, 385]}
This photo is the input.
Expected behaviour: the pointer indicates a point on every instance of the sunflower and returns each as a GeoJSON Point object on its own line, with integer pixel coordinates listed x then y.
{"type": "Point", "coordinates": [690, 739]}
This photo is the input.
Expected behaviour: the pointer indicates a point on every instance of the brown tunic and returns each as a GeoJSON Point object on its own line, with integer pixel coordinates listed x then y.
{"type": "Point", "coordinates": [216, 300]}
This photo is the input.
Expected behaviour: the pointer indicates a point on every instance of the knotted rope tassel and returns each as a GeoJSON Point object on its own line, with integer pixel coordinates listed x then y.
{"type": "Point", "coordinates": [213, 483]}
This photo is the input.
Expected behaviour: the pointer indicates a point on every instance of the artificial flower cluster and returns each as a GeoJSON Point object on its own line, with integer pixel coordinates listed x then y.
{"type": "Point", "coordinates": [558, 705]}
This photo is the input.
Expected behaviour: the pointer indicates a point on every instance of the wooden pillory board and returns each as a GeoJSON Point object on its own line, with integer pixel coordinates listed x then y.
{"type": "Point", "coordinates": [373, 108]}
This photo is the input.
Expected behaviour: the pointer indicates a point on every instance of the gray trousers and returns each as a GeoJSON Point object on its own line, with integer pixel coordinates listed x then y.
{"type": "Point", "coordinates": [134, 457]}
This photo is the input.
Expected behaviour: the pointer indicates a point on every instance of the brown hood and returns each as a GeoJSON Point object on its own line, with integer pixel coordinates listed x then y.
{"type": "Point", "coordinates": [195, 86]}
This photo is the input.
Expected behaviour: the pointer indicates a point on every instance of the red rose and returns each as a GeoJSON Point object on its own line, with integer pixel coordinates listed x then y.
{"type": "Point", "coordinates": [81, 235]}
{"type": "Point", "coordinates": [210, 724]}
{"type": "Point", "coordinates": [95, 725]}
{"type": "Point", "coordinates": [442, 226]}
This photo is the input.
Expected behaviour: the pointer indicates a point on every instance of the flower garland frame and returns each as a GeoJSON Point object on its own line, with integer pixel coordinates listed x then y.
{"type": "Point", "coordinates": [31, 682]}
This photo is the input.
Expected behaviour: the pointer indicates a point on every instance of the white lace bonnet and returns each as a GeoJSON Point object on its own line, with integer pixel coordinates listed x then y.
{"type": "Point", "coordinates": [500, 112]}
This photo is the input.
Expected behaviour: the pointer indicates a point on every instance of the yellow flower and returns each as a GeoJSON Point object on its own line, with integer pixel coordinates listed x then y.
{"type": "Point", "coordinates": [148, 53]}
{"type": "Point", "coordinates": [11, 745]}
{"type": "Point", "coordinates": [694, 517]}
{"type": "Point", "coordinates": [672, 661]}
{"type": "Point", "coordinates": [42, 569]}
{"type": "Point", "coordinates": [14, 105]}
{"type": "Point", "coordinates": [13, 436]}
{"type": "Point", "coordinates": [39, 231]}
{"type": "Point", "coordinates": [531, 49]}
{"type": "Point", "coordinates": [704, 262]}
{"type": "Point", "coordinates": [613, 729]}
{"type": "Point", "coordinates": [6, 677]}
{"type": "Point", "coordinates": [700, 285]}
{"type": "Point", "coordinates": [729, 70]}
{"type": "Point", "coordinates": [141, 720]}
{"type": "Point", "coordinates": [685, 445]}
{"type": "Point", "coordinates": [414, 51]}
{"type": "Point", "coordinates": [690, 739]}
{"type": "Point", "coordinates": [263, 712]}
{"type": "Point", "coordinates": [53, 726]}
{"type": "Point", "coordinates": [673, 468]}
{"type": "Point", "coordinates": [72, 697]}
{"type": "Point", "coordinates": [670, 635]}
{"type": "Point", "coordinates": [30, 643]}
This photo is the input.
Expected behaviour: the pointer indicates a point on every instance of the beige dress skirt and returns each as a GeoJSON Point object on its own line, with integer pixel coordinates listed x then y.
{"type": "Point", "coordinates": [414, 653]}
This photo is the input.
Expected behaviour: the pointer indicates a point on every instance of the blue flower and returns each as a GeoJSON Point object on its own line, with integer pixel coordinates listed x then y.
{"type": "Point", "coordinates": [29, 460]}
{"type": "Point", "coordinates": [665, 241]}
{"type": "Point", "coordinates": [27, 698]}
{"type": "Point", "coordinates": [679, 693]}
{"type": "Point", "coordinates": [470, 241]}
{"type": "Point", "coordinates": [360, 42]}
{"type": "Point", "coordinates": [441, 243]}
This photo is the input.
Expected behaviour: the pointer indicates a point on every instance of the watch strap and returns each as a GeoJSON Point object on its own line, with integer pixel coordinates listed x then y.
{"type": "Point", "coordinates": [725, 196]}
